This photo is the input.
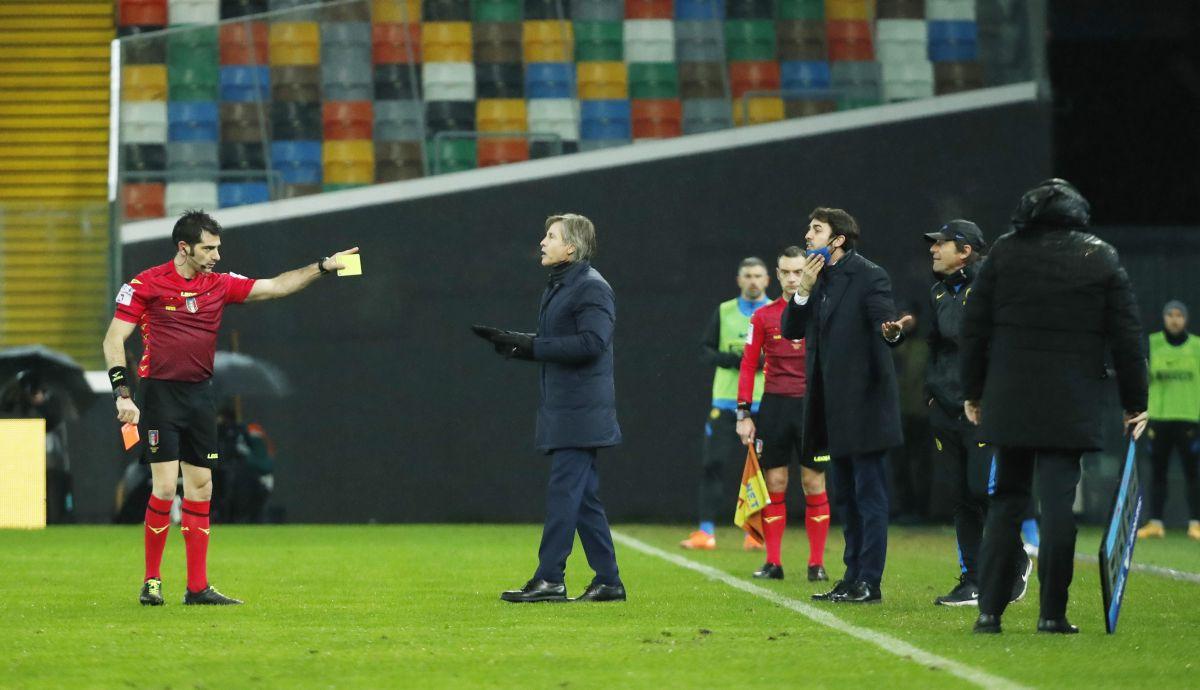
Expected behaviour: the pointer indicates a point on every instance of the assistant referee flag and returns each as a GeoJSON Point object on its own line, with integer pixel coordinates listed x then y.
{"type": "Point", "coordinates": [752, 497]}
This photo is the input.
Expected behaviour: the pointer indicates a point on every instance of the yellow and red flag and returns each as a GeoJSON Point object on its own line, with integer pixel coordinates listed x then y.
{"type": "Point", "coordinates": [752, 497]}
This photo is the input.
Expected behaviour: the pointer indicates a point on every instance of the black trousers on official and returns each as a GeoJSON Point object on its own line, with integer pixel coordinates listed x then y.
{"type": "Point", "coordinates": [967, 465]}
{"type": "Point", "coordinates": [1057, 473]}
{"type": "Point", "coordinates": [860, 496]}
{"type": "Point", "coordinates": [1165, 437]}
{"type": "Point", "coordinates": [573, 504]}
{"type": "Point", "coordinates": [722, 458]}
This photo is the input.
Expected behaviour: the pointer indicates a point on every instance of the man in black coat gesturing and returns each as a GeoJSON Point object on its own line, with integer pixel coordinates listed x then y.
{"type": "Point", "coordinates": [1050, 303]}
{"type": "Point", "coordinates": [848, 321]}
{"type": "Point", "coordinates": [578, 411]}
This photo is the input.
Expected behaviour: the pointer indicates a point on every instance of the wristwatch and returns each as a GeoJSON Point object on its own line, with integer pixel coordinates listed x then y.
{"type": "Point", "coordinates": [121, 392]}
{"type": "Point", "coordinates": [321, 265]}
{"type": "Point", "coordinates": [743, 412]}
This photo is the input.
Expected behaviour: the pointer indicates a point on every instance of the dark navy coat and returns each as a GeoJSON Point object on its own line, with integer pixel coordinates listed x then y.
{"type": "Point", "coordinates": [574, 344]}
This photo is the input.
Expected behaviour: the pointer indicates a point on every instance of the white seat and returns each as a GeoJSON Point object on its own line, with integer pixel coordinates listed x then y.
{"type": "Point", "coordinates": [554, 116]}
{"type": "Point", "coordinates": [905, 81]}
{"type": "Point", "coordinates": [448, 81]}
{"type": "Point", "coordinates": [950, 10]}
{"type": "Point", "coordinates": [901, 30]}
{"type": "Point", "coordinates": [193, 12]}
{"type": "Point", "coordinates": [649, 40]}
{"type": "Point", "coordinates": [143, 122]}
{"type": "Point", "coordinates": [182, 196]}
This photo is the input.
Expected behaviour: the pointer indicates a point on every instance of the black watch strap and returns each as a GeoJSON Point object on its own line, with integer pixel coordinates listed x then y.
{"type": "Point", "coordinates": [321, 265]}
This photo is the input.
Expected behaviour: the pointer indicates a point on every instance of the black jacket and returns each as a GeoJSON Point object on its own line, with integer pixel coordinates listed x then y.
{"type": "Point", "coordinates": [853, 401]}
{"type": "Point", "coordinates": [1048, 306]}
{"type": "Point", "coordinates": [941, 374]}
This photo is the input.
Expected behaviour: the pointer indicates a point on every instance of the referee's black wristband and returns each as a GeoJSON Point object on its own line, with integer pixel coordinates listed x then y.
{"type": "Point", "coordinates": [321, 265]}
{"type": "Point", "coordinates": [118, 377]}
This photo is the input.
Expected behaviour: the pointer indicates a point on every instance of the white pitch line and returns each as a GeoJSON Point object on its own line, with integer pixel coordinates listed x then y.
{"type": "Point", "coordinates": [1181, 575]}
{"type": "Point", "coordinates": [885, 642]}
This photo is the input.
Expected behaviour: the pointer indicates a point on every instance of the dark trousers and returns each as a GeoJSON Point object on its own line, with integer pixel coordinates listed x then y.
{"type": "Point", "coordinates": [1057, 475]}
{"type": "Point", "coordinates": [722, 458]}
{"type": "Point", "coordinates": [860, 496]}
{"type": "Point", "coordinates": [573, 504]}
{"type": "Point", "coordinates": [1165, 437]}
{"type": "Point", "coordinates": [967, 467]}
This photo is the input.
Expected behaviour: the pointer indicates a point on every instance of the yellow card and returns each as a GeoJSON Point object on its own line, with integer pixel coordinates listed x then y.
{"type": "Point", "coordinates": [352, 263]}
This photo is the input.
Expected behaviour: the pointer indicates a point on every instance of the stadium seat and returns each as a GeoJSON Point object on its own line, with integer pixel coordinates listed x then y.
{"type": "Point", "coordinates": [559, 116]}
{"type": "Point", "coordinates": [192, 121]}
{"type": "Point", "coordinates": [749, 40]}
{"type": "Point", "coordinates": [349, 12]}
{"type": "Point", "coordinates": [547, 41]}
{"type": "Point", "coordinates": [849, 10]}
{"type": "Point", "coordinates": [597, 10]}
{"type": "Point", "coordinates": [599, 41]}
{"type": "Point", "coordinates": [243, 126]}
{"type": "Point", "coordinates": [446, 42]}
{"type": "Point", "coordinates": [144, 83]}
{"type": "Point", "coordinates": [699, 10]}
{"type": "Point", "coordinates": [953, 41]}
{"type": "Point", "coordinates": [244, 157]}
{"type": "Point", "coordinates": [294, 43]}
{"type": "Point", "coordinates": [242, 83]}
{"type": "Point", "coordinates": [749, 9]}
{"type": "Point", "coordinates": [905, 81]}
{"type": "Point", "coordinates": [757, 110]}
{"type": "Point", "coordinates": [498, 42]}
{"type": "Point", "coordinates": [143, 122]}
{"type": "Point", "coordinates": [192, 160]}
{"type": "Point", "coordinates": [292, 121]}
{"type": "Point", "coordinates": [396, 11]}
{"type": "Point", "coordinates": [298, 83]}
{"type": "Point", "coordinates": [849, 41]}
{"type": "Point", "coordinates": [291, 191]}
{"type": "Point", "coordinates": [707, 115]}
{"type": "Point", "coordinates": [953, 77]}
{"type": "Point", "coordinates": [500, 115]}
{"type": "Point", "coordinates": [901, 40]}
{"type": "Point", "coordinates": [649, 9]}
{"type": "Point", "coordinates": [449, 116]}
{"type": "Point", "coordinates": [804, 78]}
{"type": "Point", "coordinates": [311, 14]}
{"type": "Point", "coordinates": [297, 162]}
{"type": "Point", "coordinates": [658, 118]}
{"type": "Point", "coordinates": [804, 107]}
{"type": "Point", "coordinates": [802, 40]}
{"type": "Point", "coordinates": [753, 76]}
{"type": "Point", "coordinates": [141, 50]}
{"type": "Point", "coordinates": [451, 155]}
{"type": "Point", "coordinates": [231, 194]}
{"type": "Point", "coordinates": [950, 10]}
{"type": "Point", "coordinates": [193, 12]}
{"type": "Point", "coordinates": [354, 37]}
{"type": "Point", "coordinates": [546, 9]}
{"type": "Point", "coordinates": [448, 81]}
{"type": "Point", "coordinates": [549, 80]}
{"type": "Point", "coordinates": [398, 160]}
{"type": "Point", "coordinates": [501, 151]}
{"type": "Point", "coordinates": [702, 80]}
{"type": "Point", "coordinates": [649, 40]}
{"type": "Point", "coordinates": [654, 80]}
{"type": "Point", "coordinates": [856, 84]}
{"type": "Point", "coordinates": [497, 11]}
{"type": "Point", "coordinates": [231, 9]}
{"type": "Point", "coordinates": [142, 12]}
{"type": "Point", "coordinates": [699, 41]}
{"type": "Point", "coordinates": [143, 200]}
{"type": "Point", "coordinates": [348, 162]}
{"type": "Point", "coordinates": [182, 196]}
{"type": "Point", "coordinates": [500, 80]}
{"type": "Point", "coordinates": [395, 43]}
{"type": "Point", "coordinates": [548, 149]}
{"type": "Point", "coordinates": [243, 43]}
{"type": "Point", "coordinates": [602, 80]}
{"type": "Point", "coordinates": [347, 81]}
{"type": "Point", "coordinates": [193, 83]}
{"type": "Point", "coordinates": [195, 47]}
{"type": "Point", "coordinates": [604, 120]}
{"type": "Point", "coordinates": [446, 10]}
{"type": "Point", "coordinates": [900, 9]}
{"type": "Point", "coordinates": [397, 82]}
{"type": "Point", "coordinates": [144, 158]}
{"type": "Point", "coordinates": [346, 120]}
{"type": "Point", "coordinates": [399, 120]}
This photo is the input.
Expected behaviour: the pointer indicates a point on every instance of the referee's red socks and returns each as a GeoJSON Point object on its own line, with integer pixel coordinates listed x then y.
{"type": "Point", "coordinates": [158, 519]}
{"type": "Point", "coordinates": [774, 520]}
{"type": "Point", "coordinates": [195, 539]}
{"type": "Point", "coordinates": [816, 523]}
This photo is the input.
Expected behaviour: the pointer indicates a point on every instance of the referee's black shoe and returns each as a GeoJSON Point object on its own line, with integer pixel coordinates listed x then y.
{"type": "Point", "coordinates": [769, 571]}
{"type": "Point", "coordinates": [816, 573]}
{"type": "Point", "coordinates": [536, 590]}
{"type": "Point", "coordinates": [209, 596]}
{"type": "Point", "coordinates": [151, 593]}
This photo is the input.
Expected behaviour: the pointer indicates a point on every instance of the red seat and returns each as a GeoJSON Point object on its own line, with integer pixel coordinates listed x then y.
{"type": "Point", "coordinates": [849, 41]}
{"type": "Point", "coordinates": [144, 200]}
{"type": "Point", "coordinates": [390, 43]}
{"type": "Point", "coordinates": [142, 13]}
{"type": "Point", "coordinates": [501, 151]}
{"type": "Point", "coordinates": [753, 76]}
{"type": "Point", "coordinates": [657, 118]}
{"type": "Point", "coordinates": [347, 120]}
{"type": "Point", "coordinates": [649, 9]}
{"type": "Point", "coordinates": [244, 43]}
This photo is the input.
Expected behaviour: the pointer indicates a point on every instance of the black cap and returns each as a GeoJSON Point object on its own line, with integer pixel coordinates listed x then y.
{"type": "Point", "coordinates": [960, 231]}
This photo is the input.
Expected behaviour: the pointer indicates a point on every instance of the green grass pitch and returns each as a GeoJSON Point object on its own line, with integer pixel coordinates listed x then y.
{"type": "Point", "coordinates": [417, 606]}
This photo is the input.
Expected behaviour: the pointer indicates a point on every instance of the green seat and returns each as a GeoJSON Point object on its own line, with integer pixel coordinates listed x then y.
{"type": "Point", "coordinates": [497, 11]}
{"type": "Point", "coordinates": [852, 103]}
{"type": "Point", "coordinates": [653, 80]}
{"type": "Point", "coordinates": [749, 39]}
{"type": "Point", "coordinates": [801, 9]}
{"type": "Point", "coordinates": [451, 155]}
{"type": "Point", "coordinates": [337, 187]}
{"type": "Point", "coordinates": [192, 82]}
{"type": "Point", "coordinates": [599, 41]}
{"type": "Point", "coordinates": [192, 48]}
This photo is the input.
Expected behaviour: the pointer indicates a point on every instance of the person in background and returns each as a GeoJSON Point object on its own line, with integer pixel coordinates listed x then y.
{"type": "Point", "coordinates": [26, 396]}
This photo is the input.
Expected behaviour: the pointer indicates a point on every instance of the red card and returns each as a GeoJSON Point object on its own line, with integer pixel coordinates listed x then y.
{"type": "Point", "coordinates": [129, 432]}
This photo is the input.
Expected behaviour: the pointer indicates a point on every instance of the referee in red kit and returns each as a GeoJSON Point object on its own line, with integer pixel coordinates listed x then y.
{"type": "Point", "coordinates": [178, 306]}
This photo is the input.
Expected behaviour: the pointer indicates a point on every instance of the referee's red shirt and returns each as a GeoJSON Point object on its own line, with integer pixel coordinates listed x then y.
{"type": "Point", "coordinates": [784, 368]}
{"type": "Point", "coordinates": [179, 319]}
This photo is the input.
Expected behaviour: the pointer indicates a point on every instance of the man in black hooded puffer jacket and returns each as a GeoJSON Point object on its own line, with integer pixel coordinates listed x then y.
{"type": "Point", "coordinates": [1051, 302]}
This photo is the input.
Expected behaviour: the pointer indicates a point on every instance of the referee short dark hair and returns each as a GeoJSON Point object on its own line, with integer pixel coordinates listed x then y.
{"type": "Point", "coordinates": [791, 252]}
{"type": "Point", "coordinates": [191, 224]}
{"type": "Point", "coordinates": [840, 222]}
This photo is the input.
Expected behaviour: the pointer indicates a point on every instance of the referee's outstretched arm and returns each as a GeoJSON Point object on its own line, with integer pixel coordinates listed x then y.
{"type": "Point", "coordinates": [285, 284]}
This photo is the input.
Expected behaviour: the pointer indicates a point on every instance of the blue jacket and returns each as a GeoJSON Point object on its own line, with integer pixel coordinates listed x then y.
{"type": "Point", "coordinates": [574, 344]}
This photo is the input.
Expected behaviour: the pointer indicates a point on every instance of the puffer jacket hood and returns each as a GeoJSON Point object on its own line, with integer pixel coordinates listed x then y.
{"type": "Point", "coordinates": [1054, 203]}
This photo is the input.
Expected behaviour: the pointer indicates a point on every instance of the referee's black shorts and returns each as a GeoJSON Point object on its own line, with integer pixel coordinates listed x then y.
{"type": "Point", "coordinates": [179, 422]}
{"type": "Point", "coordinates": [780, 427]}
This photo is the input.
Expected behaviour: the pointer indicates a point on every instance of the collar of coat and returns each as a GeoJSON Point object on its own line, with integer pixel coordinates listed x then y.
{"type": "Point", "coordinates": [573, 273]}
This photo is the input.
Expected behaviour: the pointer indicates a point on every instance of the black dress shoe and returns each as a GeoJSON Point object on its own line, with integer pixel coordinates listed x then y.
{"type": "Point", "coordinates": [859, 593]}
{"type": "Point", "coordinates": [816, 573]}
{"type": "Point", "coordinates": [1056, 625]}
{"type": "Point", "coordinates": [536, 590]}
{"type": "Point", "coordinates": [987, 624]}
{"type": "Point", "coordinates": [599, 592]}
{"type": "Point", "coordinates": [769, 571]}
{"type": "Point", "coordinates": [209, 596]}
{"type": "Point", "coordinates": [839, 588]}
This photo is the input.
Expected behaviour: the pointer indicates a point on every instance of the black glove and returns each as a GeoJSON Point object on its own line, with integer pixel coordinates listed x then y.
{"type": "Point", "coordinates": [486, 332]}
{"type": "Point", "coordinates": [507, 343]}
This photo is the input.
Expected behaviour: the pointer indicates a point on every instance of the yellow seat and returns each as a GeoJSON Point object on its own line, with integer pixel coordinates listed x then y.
{"type": "Point", "coordinates": [548, 41]}
{"type": "Point", "coordinates": [144, 83]}
{"type": "Point", "coordinates": [295, 43]}
{"type": "Point", "coordinates": [500, 115]}
{"type": "Point", "coordinates": [446, 41]}
{"type": "Point", "coordinates": [602, 80]}
{"type": "Point", "coordinates": [760, 110]}
{"type": "Point", "coordinates": [349, 161]}
{"type": "Point", "coordinates": [395, 11]}
{"type": "Point", "coordinates": [849, 10]}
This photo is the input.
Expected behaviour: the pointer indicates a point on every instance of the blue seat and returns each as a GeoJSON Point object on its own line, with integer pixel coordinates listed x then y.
{"type": "Point", "coordinates": [604, 120]}
{"type": "Point", "coordinates": [192, 121]}
{"type": "Point", "coordinates": [242, 193]}
{"type": "Point", "coordinates": [699, 9]}
{"type": "Point", "coordinates": [241, 83]}
{"type": "Point", "coordinates": [298, 162]}
{"type": "Point", "coordinates": [550, 80]}
{"type": "Point", "coordinates": [953, 41]}
{"type": "Point", "coordinates": [804, 77]}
